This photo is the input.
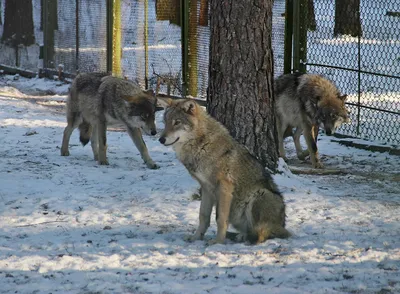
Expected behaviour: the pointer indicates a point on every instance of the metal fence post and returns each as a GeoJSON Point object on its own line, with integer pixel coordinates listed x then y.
{"type": "Point", "coordinates": [185, 44]}
{"type": "Point", "coordinates": [358, 83]}
{"type": "Point", "coordinates": [45, 35]}
{"type": "Point", "coordinates": [77, 43]}
{"type": "Point", "coordinates": [117, 37]}
{"type": "Point", "coordinates": [300, 17]}
{"type": "Point", "coordinates": [288, 50]}
{"type": "Point", "coordinates": [110, 23]}
{"type": "Point", "coordinates": [146, 44]}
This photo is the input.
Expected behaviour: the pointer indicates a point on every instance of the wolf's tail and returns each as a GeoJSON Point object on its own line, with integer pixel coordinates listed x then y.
{"type": "Point", "coordinates": [85, 130]}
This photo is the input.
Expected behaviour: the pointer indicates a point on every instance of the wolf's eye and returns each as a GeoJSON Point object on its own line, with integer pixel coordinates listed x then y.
{"type": "Point", "coordinates": [177, 122]}
{"type": "Point", "coordinates": [144, 116]}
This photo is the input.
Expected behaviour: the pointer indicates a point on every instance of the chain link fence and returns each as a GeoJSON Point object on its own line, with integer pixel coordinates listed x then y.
{"type": "Point", "coordinates": [356, 44]}
{"type": "Point", "coordinates": [164, 45]}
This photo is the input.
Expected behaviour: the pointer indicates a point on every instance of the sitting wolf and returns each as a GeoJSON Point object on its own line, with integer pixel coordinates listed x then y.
{"type": "Point", "coordinates": [231, 178]}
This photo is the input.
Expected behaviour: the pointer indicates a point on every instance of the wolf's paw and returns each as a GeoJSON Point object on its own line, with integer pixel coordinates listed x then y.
{"type": "Point", "coordinates": [192, 238]}
{"type": "Point", "coordinates": [303, 155]}
{"type": "Point", "coordinates": [318, 164]}
{"type": "Point", "coordinates": [215, 241]}
{"type": "Point", "coordinates": [64, 152]}
{"type": "Point", "coordinates": [152, 165]}
{"type": "Point", "coordinates": [103, 162]}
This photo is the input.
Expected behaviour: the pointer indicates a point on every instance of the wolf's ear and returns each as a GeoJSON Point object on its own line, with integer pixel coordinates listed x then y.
{"type": "Point", "coordinates": [164, 102]}
{"type": "Point", "coordinates": [189, 106]}
{"type": "Point", "coordinates": [343, 97]}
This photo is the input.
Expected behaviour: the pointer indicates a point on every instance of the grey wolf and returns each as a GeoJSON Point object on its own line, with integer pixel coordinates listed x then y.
{"type": "Point", "coordinates": [304, 102]}
{"type": "Point", "coordinates": [243, 192]}
{"type": "Point", "coordinates": [96, 99]}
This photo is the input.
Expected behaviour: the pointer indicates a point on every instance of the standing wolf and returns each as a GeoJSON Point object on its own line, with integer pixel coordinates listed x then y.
{"type": "Point", "coordinates": [96, 99]}
{"type": "Point", "coordinates": [245, 195]}
{"type": "Point", "coordinates": [304, 102]}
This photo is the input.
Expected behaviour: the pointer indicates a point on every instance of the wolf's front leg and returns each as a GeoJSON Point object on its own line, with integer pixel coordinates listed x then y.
{"type": "Point", "coordinates": [102, 137]}
{"type": "Point", "coordinates": [136, 136]}
{"type": "Point", "coordinates": [224, 200]}
{"type": "Point", "coordinates": [312, 147]}
{"type": "Point", "coordinates": [207, 203]}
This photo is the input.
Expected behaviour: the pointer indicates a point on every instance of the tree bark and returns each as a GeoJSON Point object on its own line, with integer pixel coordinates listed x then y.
{"type": "Point", "coordinates": [240, 93]}
{"type": "Point", "coordinates": [347, 18]}
{"type": "Point", "coordinates": [18, 23]}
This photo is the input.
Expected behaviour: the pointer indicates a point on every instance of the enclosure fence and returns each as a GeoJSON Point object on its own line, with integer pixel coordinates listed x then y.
{"type": "Point", "coordinates": [356, 44]}
{"type": "Point", "coordinates": [164, 45]}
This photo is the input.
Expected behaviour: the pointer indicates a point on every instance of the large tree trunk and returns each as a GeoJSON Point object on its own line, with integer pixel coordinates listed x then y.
{"type": "Point", "coordinates": [240, 93]}
{"type": "Point", "coordinates": [18, 23]}
{"type": "Point", "coordinates": [347, 18]}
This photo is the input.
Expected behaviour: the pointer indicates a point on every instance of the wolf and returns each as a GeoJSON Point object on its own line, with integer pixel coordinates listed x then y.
{"type": "Point", "coordinates": [243, 192]}
{"type": "Point", "coordinates": [96, 99]}
{"type": "Point", "coordinates": [304, 102]}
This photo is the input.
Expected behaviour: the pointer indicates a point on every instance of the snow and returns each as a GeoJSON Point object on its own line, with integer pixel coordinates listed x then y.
{"type": "Point", "coordinates": [68, 225]}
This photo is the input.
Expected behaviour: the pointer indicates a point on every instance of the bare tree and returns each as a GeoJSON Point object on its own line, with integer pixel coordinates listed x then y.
{"type": "Point", "coordinates": [240, 93]}
{"type": "Point", "coordinates": [347, 18]}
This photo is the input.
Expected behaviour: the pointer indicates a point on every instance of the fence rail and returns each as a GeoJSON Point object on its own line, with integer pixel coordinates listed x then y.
{"type": "Point", "coordinates": [164, 45]}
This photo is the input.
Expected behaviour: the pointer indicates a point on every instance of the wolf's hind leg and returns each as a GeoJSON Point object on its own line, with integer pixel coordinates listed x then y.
{"type": "Point", "coordinates": [73, 120]}
{"type": "Point", "coordinates": [301, 154]}
{"type": "Point", "coordinates": [268, 217]}
{"type": "Point", "coordinates": [94, 142]}
{"type": "Point", "coordinates": [101, 126]}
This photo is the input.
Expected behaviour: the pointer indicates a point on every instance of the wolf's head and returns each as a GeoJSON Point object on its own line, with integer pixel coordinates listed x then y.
{"type": "Point", "coordinates": [180, 118]}
{"type": "Point", "coordinates": [331, 113]}
{"type": "Point", "coordinates": [142, 108]}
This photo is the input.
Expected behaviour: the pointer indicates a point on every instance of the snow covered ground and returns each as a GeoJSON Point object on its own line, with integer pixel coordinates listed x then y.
{"type": "Point", "coordinates": [68, 225]}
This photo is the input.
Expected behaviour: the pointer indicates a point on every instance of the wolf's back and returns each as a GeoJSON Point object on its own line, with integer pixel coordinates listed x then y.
{"type": "Point", "coordinates": [121, 86]}
{"type": "Point", "coordinates": [89, 83]}
{"type": "Point", "coordinates": [287, 82]}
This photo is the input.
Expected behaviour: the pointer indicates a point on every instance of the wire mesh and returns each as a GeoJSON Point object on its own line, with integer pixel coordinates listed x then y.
{"type": "Point", "coordinates": [278, 35]}
{"type": "Point", "coordinates": [151, 52]}
{"type": "Point", "coordinates": [198, 48]}
{"type": "Point", "coordinates": [92, 42]}
{"type": "Point", "coordinates": [164, 47]}
{"type": "Point", "coordinates": [358, 48]}
{"type": "Point", "coordinates": [353, 43]}
{"type": "Point", "coordinates": [63, 31]}
{"type": "Point", "coordinates": [133, 48]}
